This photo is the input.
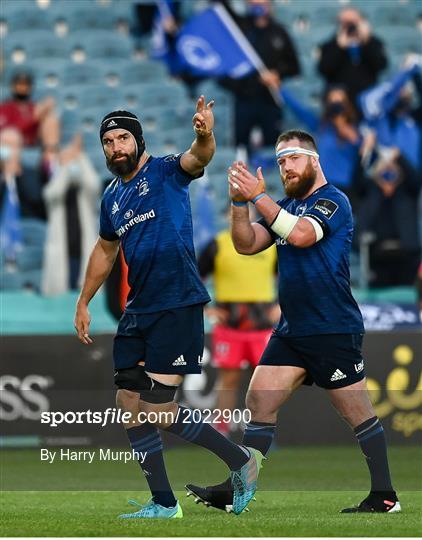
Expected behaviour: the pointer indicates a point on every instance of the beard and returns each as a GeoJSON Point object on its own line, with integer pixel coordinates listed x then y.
{"type": "Point", "coordinates": [303, 184]}
{"type": "Point", "coordinates": [123, 167]}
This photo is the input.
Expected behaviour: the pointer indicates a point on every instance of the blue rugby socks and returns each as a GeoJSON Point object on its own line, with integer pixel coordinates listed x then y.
{"type": "Point", "coordinates": [201, 433]}
{"type": "Point", "coordinates": [259, 435]}
{"type": "Point", "coordinates": [146, 439]}
{"type": "Point", "coordinates": [371, 438]}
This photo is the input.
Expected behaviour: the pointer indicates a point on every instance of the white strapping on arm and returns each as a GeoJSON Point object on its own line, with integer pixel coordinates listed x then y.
{"type": "Point", "coordinates": [317, 228]}
{"type": "Point", "coordinates": [284, 223]}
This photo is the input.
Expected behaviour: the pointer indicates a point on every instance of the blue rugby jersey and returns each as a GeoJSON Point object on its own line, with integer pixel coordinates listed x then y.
{"type": "Point", "coordinates": [314, 282]}
{"type": "Point", "coordinates": [151, 217]}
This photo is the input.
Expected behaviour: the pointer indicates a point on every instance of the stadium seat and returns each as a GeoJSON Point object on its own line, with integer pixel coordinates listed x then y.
{"type": "Point", "coordinates": [35, 44]}
{"type": "Point", "coordinates": [150, 94]}
{"type": "Point", "coordinates": [323, 14]}
{"type": "Point", "coordinates": [85, 73]}
{"type": "Point", "coordinates": [31, 280]}
{"type": "Point", "coordinates": [33, 231]}
{"type": "Point", "coordinates": [391, 14]}
{"type": "Point", "coordinates": [30, 258]}
{"type": "Point", "coordinates": [48, 77]}
{"type": "Point", "coordinates": [91, 118]}
{"type": "Point", "coordinates": [402, 39]}
{"type": "Point", "coordinates": [221, 161]}
{"type": "Point", "coordinates": [9, 9]}
{"type": "Point", "coordinates": [11, 280]}
{"type": "Point", "coordinates": [102, 44]}
{"type": "Point", "coordinates": [212, 90]}
{"type": "Point", "coordinates": [123, 9]}
{"type": "Point", "coordinates": [71, 123]}
{"type": "Point", "coordinates": [86, 16]}
{"type": "Point", "coordinates": [141, 72]}
{"type": "Point", "coordinates": [26, 19]}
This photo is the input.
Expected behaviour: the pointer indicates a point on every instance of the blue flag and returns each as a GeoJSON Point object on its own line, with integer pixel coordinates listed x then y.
{"type": "Point", "coordinates": [210, 44]}
{"type": "Point", "coordinates": [381, 98]}
{"type": "Point", "coordinates": [10, 231]}
{"type": "Point", "coordinates": [159, 44]}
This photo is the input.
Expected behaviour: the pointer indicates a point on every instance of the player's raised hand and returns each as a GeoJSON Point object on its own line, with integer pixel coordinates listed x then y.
{"type": "Point", "coordinates": [82, 322]}
{"type": "Point", "coordinates": [244, 182]}
{"type": "Point", "coordinates": [203, 119]}
{"type": "Point", "coordinates": [234, 193]}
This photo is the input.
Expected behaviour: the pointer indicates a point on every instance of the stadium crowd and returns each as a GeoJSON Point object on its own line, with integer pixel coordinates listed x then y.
{"type": "Point", "coordinates": [358, 92]}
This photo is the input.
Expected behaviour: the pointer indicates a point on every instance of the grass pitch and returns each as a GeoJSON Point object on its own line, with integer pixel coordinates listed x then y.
{"type": "Point", "coordinates": [301, 491]}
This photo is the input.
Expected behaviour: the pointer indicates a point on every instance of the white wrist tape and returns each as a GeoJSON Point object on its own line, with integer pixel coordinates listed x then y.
{"type": "Point", "coordinates": [319, 233]}
{"type": "Point", "coordinates": [284, 223]}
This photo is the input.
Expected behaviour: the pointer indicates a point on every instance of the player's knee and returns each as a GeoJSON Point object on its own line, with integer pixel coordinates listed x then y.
{"type": "Point", "coordinates": [126, 399]}
{"type": "Point", "coordinates": [260, 406]}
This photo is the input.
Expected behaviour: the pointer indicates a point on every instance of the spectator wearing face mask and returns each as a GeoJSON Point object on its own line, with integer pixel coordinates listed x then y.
{"type": "Point", "coordinates": [37, 122]}
{"type": "Point", "coordinates": [393, 112]}
{"type": "Point", "coordinates": [337, 135]}
{"type": "Point", "coordinates": [353, 57]}
{"type": "Point", "coordinates": [254, 103]}
{"type": "Point", "coordinates": [27, 183]}
{"type": "Point", "coordinates": [389, 211]}
{"type": "Point", "coordinates": [389, 192]}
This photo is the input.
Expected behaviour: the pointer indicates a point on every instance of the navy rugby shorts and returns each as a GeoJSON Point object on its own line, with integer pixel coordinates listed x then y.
{"type": "Point", "coordinates": [330, 360]}
{"type": "Point", "coordinates": [169, 341]}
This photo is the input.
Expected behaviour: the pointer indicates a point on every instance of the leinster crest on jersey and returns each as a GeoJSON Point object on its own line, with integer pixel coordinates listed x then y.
{"type": "Point", "coordinates": [143, 188]}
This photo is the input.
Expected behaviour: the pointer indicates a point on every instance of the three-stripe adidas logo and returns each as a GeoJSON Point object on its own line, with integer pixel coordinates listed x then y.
{"type": "Point", "coordinates": [114, 208]}
{"type": "Point", "coordinates": [111, 124]}
{"type": "Point", "coordinates": [180, 361]}
{"type": "Point", "coordinates": [337, 375]}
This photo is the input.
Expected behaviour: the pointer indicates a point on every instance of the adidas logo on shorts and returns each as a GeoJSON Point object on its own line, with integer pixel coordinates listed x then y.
{"type": "Point", "coordinates": [179, 361]}
{"type": "Point", "coordinates": [337, 375]}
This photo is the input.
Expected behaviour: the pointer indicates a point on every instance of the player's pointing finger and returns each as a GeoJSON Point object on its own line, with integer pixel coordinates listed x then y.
{"type": "Point", "coordinates": [200, 104]}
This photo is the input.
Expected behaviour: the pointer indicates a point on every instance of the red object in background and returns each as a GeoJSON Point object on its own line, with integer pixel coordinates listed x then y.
{"type": "Point", "coordinates": [22, 117]}
{"type": "Point", "coordinates": [124, 285]}
{"type": "Point", "coordinates": [117, 287]}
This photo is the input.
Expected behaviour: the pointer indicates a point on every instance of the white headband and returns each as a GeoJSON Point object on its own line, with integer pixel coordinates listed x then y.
{"type": "Point", "coordinates": [295, 150]}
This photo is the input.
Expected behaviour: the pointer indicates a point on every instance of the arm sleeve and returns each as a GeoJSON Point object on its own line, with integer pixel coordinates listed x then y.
{"type": "Point", "coordinates": [106, 226]}
{"type": "Point", "coordinates": [173, 170]}
{"type": "Point", "coordinates": [330, 213]}
{"type": "Point", "coordinates": [304, 114]}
